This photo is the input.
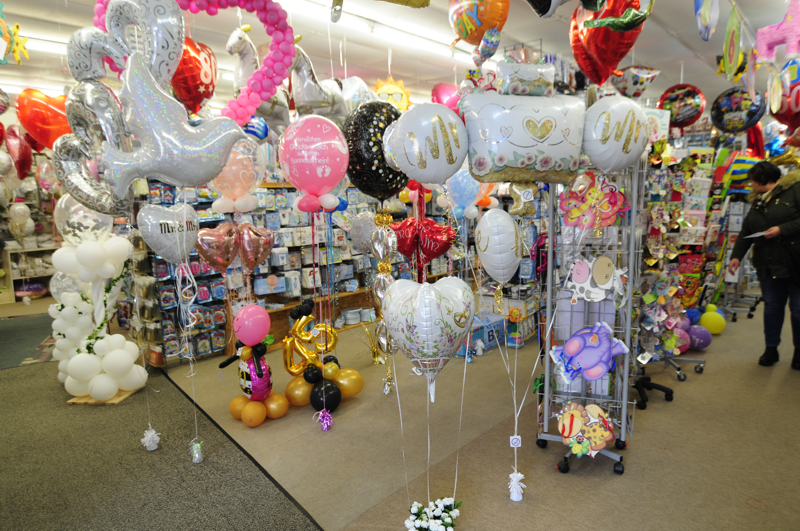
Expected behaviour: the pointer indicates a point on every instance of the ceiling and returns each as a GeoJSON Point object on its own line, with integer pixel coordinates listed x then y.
{"type": "Point", "coordinates": [669, 41]}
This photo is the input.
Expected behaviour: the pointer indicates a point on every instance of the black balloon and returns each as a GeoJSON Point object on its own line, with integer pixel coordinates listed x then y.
{"type": "Point", "coordinates": [331, 358]}
{"type": "Point", "coordinates": [326, 395]}
{"type": "Point", "coordinates": [546, 8]}
{"type": "Point", "coordinates": [368, 170]}
{"type": "Point", "coordinates": [312, 374]}
{"type": "Point", "coordinates": [259, 349]}
{"type": "Point", "coordinates": [294, 313]}
{"type": "Point", "coordinates": [733, 111]}
{"type": "Point", "coordinates": [239, 344]}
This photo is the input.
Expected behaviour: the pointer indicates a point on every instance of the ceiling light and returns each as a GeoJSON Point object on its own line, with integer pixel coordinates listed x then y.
{"type": "Point", "coordinates": [227, 76]}
{"type": "Point", "coordinates": [15, 86]}
{"type": "Point", "coordinates": [41, 45]}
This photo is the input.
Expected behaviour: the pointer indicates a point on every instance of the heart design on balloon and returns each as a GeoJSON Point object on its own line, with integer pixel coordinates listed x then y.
{"type": "Point", "coordinates": [429, 322]}
{"type": "Point", "coordinates": [506, 131]}
{"type": "Point", "coordinates": [195, 79]}
{"type": "Point", "coordinates": [540, 129]}
{"type": "Point", "coordinates": [255, 244]}
{"type": "Point", "coordinates": [44, 117]}
{"type": "Point", "coordinates": [170, 231]}
{"type": "Point", "coordinates": [428, 237]}
{"type": "Point", "coordinates": [218, 246]}
{"type": "Point", "coordinates": [19, 150]}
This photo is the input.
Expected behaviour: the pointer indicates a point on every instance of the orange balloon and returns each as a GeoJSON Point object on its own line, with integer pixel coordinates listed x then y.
{"type": "Point", "coordinates": [298, 391]}
{"type": "Point", "coordinates": [237, 177]}
{"type": "Point", "coordinates": [254, 413]}
{"type": "Point", "coordinates": [45, 118]}
{"type": "Point", "coordinates": [236, 406]}
{"type": "Point", "coordinates": [485, 202]}
{"type": "Point", "coordinates": [276, 405]}
{"type": "Point", "coordinates": [470, 19]}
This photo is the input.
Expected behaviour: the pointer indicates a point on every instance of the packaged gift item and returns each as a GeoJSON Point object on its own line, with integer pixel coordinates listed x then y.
{"type": "Point", "coordinates": [217, 340]}
{"type": "Point", "coordinates": [208, 319]}
{"type": "Point", "coordinates": [167, 326]}
{"type": "Point", "coordinates": [310, 277]}
{"type": "Point", "coordinates": [220, 317]}
{"type": "Point", "coordinates": [161, 269]}
{"type": "Point", "coordinates": [167, 297]}
{"type": "Point", "coordinates": [167, 194]}
{"type": "Point", "coordinates": [203, 291]}
{"type": "Point", "coordinates": [293, 284]}
{"type": "Point", "coordinates": [279, 256]}
{"type": "Point", "coordinates": [217, 289]}
{"type": "Point", "coordinates": [171, 345]}
{"type": "Point", "coordinates": [202, 344]}
{"type": "Point", "coordinates": [194, 265]}
{"type": "Point", "coordinates": [155, 193]}
{"type": "Point", "coordinates": [526, 79]}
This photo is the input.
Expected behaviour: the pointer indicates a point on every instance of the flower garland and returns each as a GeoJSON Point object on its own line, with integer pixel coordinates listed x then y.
{"type": "Point", "coordinates": [439, 515]}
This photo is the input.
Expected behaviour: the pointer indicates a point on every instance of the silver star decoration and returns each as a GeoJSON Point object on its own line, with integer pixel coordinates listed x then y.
{"type": "Point", "coordinates": [172, 151]}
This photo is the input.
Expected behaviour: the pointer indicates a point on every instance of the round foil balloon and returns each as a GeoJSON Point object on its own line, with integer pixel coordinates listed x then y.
{"type": "Point", "coordinates": [470, 19]}
{"type": "Point", "coordinates": [428, 143]}
{"type": "Point", "coordinates": [499, 245]}
{"type": "Point", "coordinates": [615, 133]}
{"type": "Point", "coordinates": [44, 117]}
{"type": "Point", "coordinates": [361, 232]}
{"type": "Point", "coordinates": [313, 153]}
{"type": "Point", "coordinates": [733, 111]}
{"type": "Point", "coordinates": [256, 387]}
{"type": "Point", "coordinates": [46, 175]}
{"type": "Point", "coordinates": [195, 80]}
{"type": "Point", "coordinates": [78, 224]}
{"type": "Point", "coordinates": [685, 103]}
{"type": "Point", "coordinates": [634, 80]}
{"type": "Point", "coordinates": [63, 283]}
{"type": "Point", "coordinates": [445, 94]}
{"type": "Point", "coordinates": [789, 112]}
{"type": "Point", "coordinates": [368, 169]}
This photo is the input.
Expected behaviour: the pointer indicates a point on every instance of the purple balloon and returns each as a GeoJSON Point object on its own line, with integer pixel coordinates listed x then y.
{"type": "Point", "coordinates": [699, 336]}
{"type": "Point", "coordinates": [683, 323]}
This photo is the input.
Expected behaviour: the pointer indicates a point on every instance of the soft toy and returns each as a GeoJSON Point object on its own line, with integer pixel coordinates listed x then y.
{"type": "Point", "coordinates": [589, 352]}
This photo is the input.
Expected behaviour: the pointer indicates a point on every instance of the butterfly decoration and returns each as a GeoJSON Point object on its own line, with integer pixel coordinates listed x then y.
{"type": "Point", "coordinates": [594, 206]}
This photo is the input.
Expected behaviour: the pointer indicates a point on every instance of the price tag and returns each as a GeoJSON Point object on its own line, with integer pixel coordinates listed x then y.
{"type": "Point", "coordinates": [526, 195]}
{"type": "Point", "coordinates": [516, 441]}
{"type": "Point", "coordinates": [644, 357]}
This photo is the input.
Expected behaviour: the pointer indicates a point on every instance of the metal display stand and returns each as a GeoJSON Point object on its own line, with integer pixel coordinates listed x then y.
{"type": "Point", "coordinates": [564, 318]}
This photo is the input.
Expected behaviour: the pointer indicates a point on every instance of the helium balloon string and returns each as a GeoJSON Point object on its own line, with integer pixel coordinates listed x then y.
{"type": "Point", "coordinates": [428, 416]}
{"type": "Point", "coordinates": [461, 412]}
{"type": "Point", "coordinates": [402, 432]}
{"type": "Point", "coordinates": [330, 47]}
{"type": "Point", "coordinates": [345, 56]}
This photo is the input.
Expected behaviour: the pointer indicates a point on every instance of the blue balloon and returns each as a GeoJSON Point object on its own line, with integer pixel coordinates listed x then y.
{"type": "Point", "coordinates": [342, 204]}
{"type": "Point", "coordinates": [257, 127]}
{"type": "Point", "coordinates": [693, 315]}
{"type": "Point", "coordinates": [463, 188]}
{"type": "Point", "coordinates": [458, 212]}
{"type": "Point", "coordinates": [720, 312]}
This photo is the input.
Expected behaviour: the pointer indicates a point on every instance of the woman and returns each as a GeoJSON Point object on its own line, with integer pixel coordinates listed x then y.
{"type": "Point", "coordinates": [775, 216]}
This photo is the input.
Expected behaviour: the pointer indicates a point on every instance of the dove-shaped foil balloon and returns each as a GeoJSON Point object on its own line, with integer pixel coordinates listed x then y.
{"type": "Point", "coordinates": [172, 151]}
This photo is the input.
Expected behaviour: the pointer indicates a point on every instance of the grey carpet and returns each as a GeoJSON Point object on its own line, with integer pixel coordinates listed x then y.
{"type": "Point", "coordinates": [83, 467]}
{"type": "Point", "coordinates": [21, 336]}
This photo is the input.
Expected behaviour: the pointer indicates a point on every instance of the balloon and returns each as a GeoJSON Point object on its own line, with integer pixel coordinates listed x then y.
{"type": "Point", "coordinates": [733, 111]}
{"type": "Point", "coordinates": [470, 19]}
{"type": "Point", "coordinates": [498, 243]}
{"type": "Point", "coordinates": [693, 315]}
{"type": "Point", "coordinates": [710, 308]}
{"type": "Point", "coordinates": [170, 231]}
{"type": "Point", "coordinates": [350, 382]}
{"type": "Point", "coordinates": [298, 391]}
{"type": "Point", "coordinates": [521, 138]}
{"type": "Point", "coordinates": [329, 371]}
{"type": "Point", "coordinates": [242, 173]}
{"type": "Point", "coordinates": [76, 387]}
{"type": "Point", "coordinates": [525, 79]}
{"type": "Point", "coordinates": [412, 143]}
{"type": "Point", "coordinates": [730, 46]}
{"type": "Point", "coordinates": [714, 322]}
{"type": "Point", "coordinates": [46, 175]}
{"type": "Point", "coordinates": [135, 379]}
{"type": "Point", "coordinates": [44, 117]}
{"type": "Point", "coordinates": [355, 92]}
{"type": "Point", "coordinates": [685, 103]}
{"type": "Point", "coordinates": [707, 14]}
{"type": "Point", "coordinates": [277, 405]}
{"type": "Point", "coordinates": [545, 8]}
{"type": "Point", "coordinates": [257, 127]}
{"type": "Point", "coordinates": [699, 336]}
{"type": "Point", "coordinates": [195, 79]}
{"type": "Point", "coordinates": [314, 97]}
{"type": "Point", "coordinates": [174, 152]}
{"type": "Point", "coordinates": [254, 413]}
{"type": "Point", "coordinates": [5, 102]}
{"type": "Point", "coordinates": [19, 150]}
{"type": "Point", "coordinates": [255, 244]}
{"type": "Point", "coordinates": [236, 405]}
{"type": "Point", "coordinates": [313, 154]}
{"type": "Point", "coordinates": [36, 146]}
{"type": "Point", "coordinates": [218, 246]}
{"type": "Point", "coordinates": [634, 80]}
{"type": "Point", "coordinates": [589, 352]}
{"type": "Point", "coordinates": [683, 323]}
{"type": "Point", "coordinates": [616, 133]}
{"type": "Point", "coordinates": [251, 324]}
{"type": "Point", "coordinates": [789, 112]}
{"type": "Point", "coordinates": [361, 232]}
{"type": "Point", "coordinates": [254, 386]}
{"type": "Point", "coordinates": [77, 224]}
{"type": "Point", "coordinates": [325, 395]}
{"type": "Point", "coordinates": [61, 283]}
{"type": "Point", "coordinates": [593, 70]}
{"type": "Point", "coordinates": [312, 374]}
{"type": "Point", "coordinates": [393, 92]}
{"type": "Point", "coordinates": [308, 203]}
{"type": "Point", "coordinates": [407, 233]}
{"type": "Point", "coordinates": [84, 367]}
{"type": "Point", "coordinates": [487, 48]}
{"type": "Point", "coordinates": [429, 322]}
{"type": "Point", "coordinates": [446, 94]}
{"type": "Point", "coordinates": [298, 340]}
{"type": "Point", "coordinates": [368, 169]}
{"type": "Point", "coordinates": [103, 387]}
{"type": "Point", "coordinates": [117, 363]}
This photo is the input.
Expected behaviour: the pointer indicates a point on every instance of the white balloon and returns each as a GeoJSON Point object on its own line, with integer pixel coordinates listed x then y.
{"type": "Point", "coordinates": [91, 255]}
{"type": "Point", "coordinates": [133, 350]}
{"type": "Point", "coordinates": [71, 353]}
{"type": "Point", "coordinates": [60, 326]}
{"type": "Point", "coordinates": [76, 387]}
{"type": "Point", "coordinates": [53, 311]}
{"type": "Point", "coordinates": [64, 344]}
{"type": "Point", "coordinates": [328, 201]}
{"type": "Point", "coordinates": [59, 355]}
{"type": "Point", "coordinates": [493, 202]}
{"type": "Point", "coordinates": [64, 260]}
{"type": "Point", "coordinates": [62, 377]}
{"type": "Point", "coordinates": [107, 270]}
{"type": "Point", "coordinates": [84, 367]}
{"type": "Point", "coordinates": [69, 314]}
{"type": "Point", "coordinates": [616, 133]}
{"type": "Point", "coordinates": [442, 201]}
{"type": "Point", "coordinates": [117, 341]}
{"type": "Point", "coordinates": [117, 363]}
{"type": "Point", "coordinates": [87, 275]}
{"type": "Point", "coordinates": [102, 387]}
{"type": "Point", "coordinates": [84, 322]}
{"type": "Point", "coordinates": [135, 379]}
{"type": "Point", "coordinates": [62, 365]}
{"type": "Point", "coordinates": [117, 249]}
{"type": "Point", "coordinates": [499, 244]}
{"type": "Point", "coordinates": [70, 298]}
{"type": "Point", "coordinates": [248, 203]}
{"type": "Point", "coordinates": [170, 232]}
{"type": "Point", "coordinates": [471, 212]}
{"type": "Point", "coordinates": [74, 334]}
{"type": "Point", "coordinates": [428, 143]}
{"type": "Point", "coordinates": [223, 205]}
{"type": "Point", "coordinates": [85, 307]}
{"type": "Point", "coordinates": [102, 347]}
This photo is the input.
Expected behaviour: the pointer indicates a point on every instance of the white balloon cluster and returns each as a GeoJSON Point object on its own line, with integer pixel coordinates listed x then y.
{"type": "Point", "coordinates": [71, 326]}
{"type": "Point", "coordinates": [92, 260]}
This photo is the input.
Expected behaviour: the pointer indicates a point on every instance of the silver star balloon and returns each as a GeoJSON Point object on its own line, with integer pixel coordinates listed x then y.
{"type": "Point", "coordinates": [172, 151]}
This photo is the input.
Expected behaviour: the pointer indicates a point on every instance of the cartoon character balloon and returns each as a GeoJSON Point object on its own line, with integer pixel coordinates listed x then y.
{"type": "Point", "coordinates": [470, 19]}
{"type": "Point", "coordinates": [734, 111]}
{"type": "Point", "coordinates": [393, 92]}
{"type": "Point", "coordinates": [589, 353]}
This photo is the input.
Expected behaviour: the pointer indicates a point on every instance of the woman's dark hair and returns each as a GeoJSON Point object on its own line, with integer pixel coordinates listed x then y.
{"type": "Point", "coordinates": [764, 172]}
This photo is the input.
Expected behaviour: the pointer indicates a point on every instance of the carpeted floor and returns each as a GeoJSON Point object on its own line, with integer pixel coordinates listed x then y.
{"type": "Point", "coordinates": [25, 340]}
{"type": "Point", "coordinates": [83, 467]}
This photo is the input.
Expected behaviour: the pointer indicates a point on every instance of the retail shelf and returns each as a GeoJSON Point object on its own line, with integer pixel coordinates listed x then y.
{"type": "Point", "coordinates": [277, 185]}
{"type": "Point", "coordinates": [32, 250]}
{"type": "Point", "coordinates": [34, 276]}
{"type": "Point", "coordinates": [342, 295]}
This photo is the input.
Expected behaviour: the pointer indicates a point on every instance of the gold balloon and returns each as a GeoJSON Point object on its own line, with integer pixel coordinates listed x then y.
{"type": "Point", "coordinates": [403, 196]}
{"type": "Point", "coordinates": [428, 197]}
{"type": "Point", "coordinates": [350, 382]}
{"type": "Point", "coordinates": [330, 370]}
{"type": "Point", "coordinates": [246, 354]}
{"type": "Point", "coordinates": [296, 342]}
{"type": "Point", "coordinates": [254, 413]}
{"type": "Point", "coordinates": [236, 406]}
{"type": "Point", "coordinates": [276, 405]}
{"type": "Point", "coordinates": [298, 391]}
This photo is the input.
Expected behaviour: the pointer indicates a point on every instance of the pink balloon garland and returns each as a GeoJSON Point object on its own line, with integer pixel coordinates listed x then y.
{"type": "Point", "coordinates": [264, 82]}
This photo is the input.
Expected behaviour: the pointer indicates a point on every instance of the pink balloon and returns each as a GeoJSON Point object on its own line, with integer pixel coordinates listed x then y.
{"type": "Point", "coordinates": [237, 177]}
{"type": "Point", "coordinates": [314, 155]}
{"type": "Point", "coordinates": [445, 94]}
{"type": "Point", "coordinates": [251, 324]}
{"type": "Point", "coordinates": [683, 341]}
{"type": "Point", "coordinates": [308, 203]}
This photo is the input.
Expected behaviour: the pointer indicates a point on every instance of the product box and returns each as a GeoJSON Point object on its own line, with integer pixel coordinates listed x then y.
{"type": "Point", "coordinates": [293, 283]}
{"type": "Point", "coordinates": [735, 223]}
{"type": "Point", "coordinates": [269, 285]}
{"type": "Point", "coordinates": [285, 216]}
{"type": "Point", "coordinates": [279, 256]}
{"type": "Point", "coordinates": [272, 221]}
{"type": "Point", "coordinates": [526, 306]}
{"type": "Point", "coordinates": [295, 261]}
{"type": "Point", "coordinates": [284, 238]}
{"type": "Point", "coordinates": [487, 327]}
{"type": "Point", "coordinates": [339, 237]}
{"type": "Point", "coordinates": [302, 236]}
{"type": "Point", "coordinates": [310, 277]}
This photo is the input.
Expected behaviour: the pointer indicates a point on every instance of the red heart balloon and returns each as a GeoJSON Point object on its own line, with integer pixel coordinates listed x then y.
{"type": "Point", "coordinates": [195, 79]}
{"type": "Point", "coordinates": [597, 73]}
{"type": "Point", "coordinates": [407, 236]}
{"type": "Point", "coordinates": [19, 150]}
{"type": "Point", "coordinates": [434, 239]}
{"type": "Point", "coordinates": [45, 118]}
{"type": "Point", "coordinates": [606, 46]}
{"type": "Point", "coordinates": [2, 134]}
{"type": "Point", "coordinates": [218, 246]}
{"type": "Point", "coordinates": [37, 146]}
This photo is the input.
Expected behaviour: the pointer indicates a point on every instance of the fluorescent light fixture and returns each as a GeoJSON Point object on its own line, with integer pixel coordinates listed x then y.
{"type": "Point", "coordinates": [41, 45]}
{"type": "Point", "coordinates": [227, 76]}
{"type": "Point", "coordinates": [17, 85]}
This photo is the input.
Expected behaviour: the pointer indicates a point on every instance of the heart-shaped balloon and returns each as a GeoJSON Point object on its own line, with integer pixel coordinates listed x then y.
{"type": "Point", "coordinates": [254, 245]}
{"type": "Point", "coordinates": [36, 146]}
{"type": "Point", "coordinates": [218, 246]}
{"type": "Point", "coordinates": [407, 232]}
{"type": "Point", "coordinates": [590, 68]}
{"type": "Point", "coordinates": [606, 45]}
{"type": "Point", "coordinates": [429, 322]}
{"type": "Point", "coordinates": [634, 80]}
{"type": "Point", "coordinates": [19, 150]}
{"type": "Point", "coordinates": [170, 232]}
{"type": "Point", "coordinates": [195, 80]}
{"type": "Point", "coordinates": [45, 118]}
{"type": "Point", "coordinates": [499, 244]}
{"type": "Point", "coordinates": [434, 239]}
{"type": "Point", "coordinates": [446, 94]}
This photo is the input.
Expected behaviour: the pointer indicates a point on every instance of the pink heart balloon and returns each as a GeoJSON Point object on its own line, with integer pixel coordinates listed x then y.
{"type": "Point", "coordinates": [254, 245]}
{"type": "Point", "coordinates": [218, 246]}
{"type": "Point", "coordinates": [445, 94]}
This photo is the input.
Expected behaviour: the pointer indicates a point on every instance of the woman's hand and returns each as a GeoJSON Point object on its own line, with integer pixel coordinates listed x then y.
{"type": "Point", "coordinates": [772, 232]}
{"type": "Point", "coordinates": [734, 265]}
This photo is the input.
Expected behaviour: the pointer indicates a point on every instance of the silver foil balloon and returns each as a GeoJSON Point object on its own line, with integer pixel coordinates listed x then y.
{"type": "Point", "coordinates": [78, 223]}
{"type": "Point", "coordinates": [171, 150]}
{"type": "Point", "coordinates": [382, 283]}
{"type": "Point", "coordinates": [5, 101]}
{"type": "Point", "coordinates": [63, 283]}
{"type": "Point", "coordinates": [316, 97]}
{"type": "Point", "coordinates": [170, 232]}
{"type": "Point", "coordinates": [361, 232]}
{"type": "Point", "coordinates": [384, 243]}
{"type": "Point", "coordinates": [95, 116]}
{"type": "Point", "coordinates": [86, 50]}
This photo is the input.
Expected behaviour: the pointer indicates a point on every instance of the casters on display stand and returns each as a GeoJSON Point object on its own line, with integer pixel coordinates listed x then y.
{"type": "Point", "coordinates": [644, 384]}
{"type": "Point", "coordinates": [620, 444]}
{"type": "Point", "coordinates": [619, 468]}
{"type": "Point", "coordinates": [681, 376]}
{"type": "Point", "coordinates": [541, 443]}
{"type": "Point", "coordinates": [563, 466]}
{"type": "Point", "coordinates": [699, 368]}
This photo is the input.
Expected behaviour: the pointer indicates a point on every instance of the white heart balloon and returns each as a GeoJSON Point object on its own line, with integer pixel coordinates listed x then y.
{"type": "Point", "coordinates": [170, 232]}
{"type": "Point", "coordinates": [361, 232]}
{"type": "Point", "coordinates": [499, 244]}
{"type": "Point", "coordinates": [616, 133]}
{"type": "Point", "coordinates": [429, 322]}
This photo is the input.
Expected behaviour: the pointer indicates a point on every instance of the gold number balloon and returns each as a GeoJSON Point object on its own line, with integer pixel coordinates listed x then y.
{"type": "Point", "coordinates": [297, 340]}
